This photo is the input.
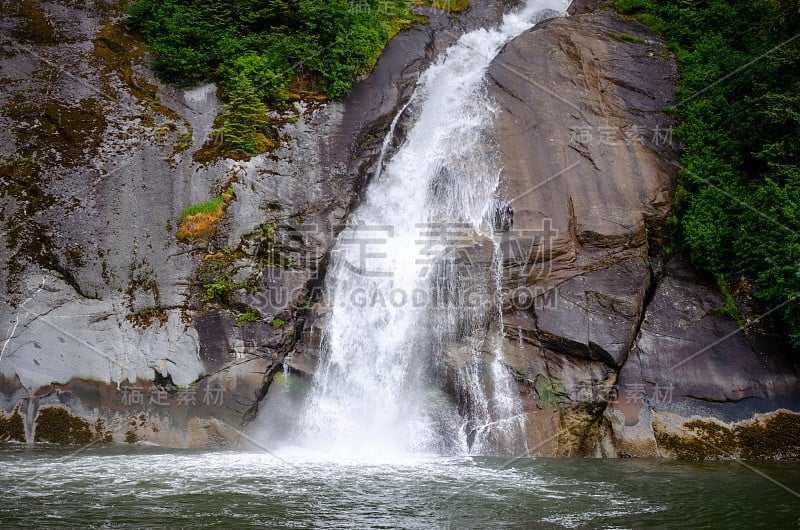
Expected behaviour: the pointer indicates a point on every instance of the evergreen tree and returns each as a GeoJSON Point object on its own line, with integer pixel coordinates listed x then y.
{"type": "Point", "coordinates": [243, 117]}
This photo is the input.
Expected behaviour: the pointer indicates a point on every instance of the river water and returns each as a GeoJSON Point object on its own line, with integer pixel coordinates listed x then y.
{"type": "Point", "coordinates": [146, 487]}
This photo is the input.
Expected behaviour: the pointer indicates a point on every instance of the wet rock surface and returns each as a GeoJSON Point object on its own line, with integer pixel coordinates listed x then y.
{"type": "Point", "coordinates": [109, 324]}
{"type": "Point", "coordinates": [609, 350]}
{"type": "Point", "coordinates": [689, 363]}
{"type": "Point", "coordinates": [108, 315]}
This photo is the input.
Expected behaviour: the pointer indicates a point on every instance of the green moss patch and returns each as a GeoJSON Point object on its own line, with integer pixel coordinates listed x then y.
{"type": "Point", "coordinates": [216, 275]}
{"type": "Point", "coordinates": [56, 425]}
{"type": "Point", "coordinates": [200, 220]}
{"type": "Point", "coordinates": [551, 392]}
{"type": "Point", "coordinates": [218, 271]}
{"type": "Point", "coordinates": [626, 38]}
{"type": "Point", "coordinates": [773, 437]}
{"type": "Point", "coordinates": [12, 428]}
{"type": "Point", "coordinates": [247, 316]}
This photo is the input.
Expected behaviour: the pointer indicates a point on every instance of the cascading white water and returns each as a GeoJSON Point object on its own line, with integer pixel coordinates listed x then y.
{"type": "Point", "coordinates": [373, 393]}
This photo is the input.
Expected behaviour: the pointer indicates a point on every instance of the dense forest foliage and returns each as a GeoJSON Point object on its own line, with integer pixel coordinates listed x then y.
{"type": "Point", "coordinates": [255, 48]}
{"type": "Point", "coordinates": [738, 204]}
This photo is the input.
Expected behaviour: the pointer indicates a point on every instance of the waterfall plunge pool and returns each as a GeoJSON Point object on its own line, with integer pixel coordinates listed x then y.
{"type": "Point", "coordinates": [147, 487]}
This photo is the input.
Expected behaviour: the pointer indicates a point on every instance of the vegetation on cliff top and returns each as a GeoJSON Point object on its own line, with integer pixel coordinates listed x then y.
{"type": "Point", "coordinates": [254, 49]}
{"type": "Point", "coordinates": [738, 203]}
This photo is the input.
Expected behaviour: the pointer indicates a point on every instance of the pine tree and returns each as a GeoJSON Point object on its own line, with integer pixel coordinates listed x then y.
{"type": "Point", "coordinates": [243, 116]}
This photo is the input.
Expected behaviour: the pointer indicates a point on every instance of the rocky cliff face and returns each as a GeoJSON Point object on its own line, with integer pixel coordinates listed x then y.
{"type": "Point", "coordinates": [616, 351]}
{"type": "Point", "coordinates": [112, 329]}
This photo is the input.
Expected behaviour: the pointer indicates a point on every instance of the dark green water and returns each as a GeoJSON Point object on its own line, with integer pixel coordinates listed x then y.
{"type": "Point", "coordinates": [152, 487]}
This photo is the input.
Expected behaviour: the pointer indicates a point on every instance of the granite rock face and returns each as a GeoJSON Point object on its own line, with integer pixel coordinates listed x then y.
{"type": "Point", "coordinates": [109, 322]}
{"type": "Point", "coordinates": [105, 313]}
{"type": "Point", "coordinates": [689, 363]}
{"type": "Point", "coordinates": [610, 351]}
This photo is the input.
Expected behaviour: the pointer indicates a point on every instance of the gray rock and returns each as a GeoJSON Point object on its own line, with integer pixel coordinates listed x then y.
{"type": "Point", "coordinates": [576, 153]}
{"type": "Point", "coordinates": [585, 199]}
{"type": "Point", "coordinates": [596, 315]}
{"type": "Point", "coordinates": [98, 165]}
{"type": "Point", "coordinates": [688, 362]}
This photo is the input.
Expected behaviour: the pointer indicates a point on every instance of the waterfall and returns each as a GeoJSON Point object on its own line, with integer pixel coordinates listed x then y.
{"type": "Point", "coordinates": [414, 281]}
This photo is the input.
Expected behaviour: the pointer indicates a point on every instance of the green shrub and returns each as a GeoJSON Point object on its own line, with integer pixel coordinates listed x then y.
{"type": "Point", "coordinates": [255, 48]}
{"type": "Point", "coordinates": [739, 111]}
{"type": "Point", "coordinates": [218, 291]}
{"type": "Point", "coordinates": [248, 316]}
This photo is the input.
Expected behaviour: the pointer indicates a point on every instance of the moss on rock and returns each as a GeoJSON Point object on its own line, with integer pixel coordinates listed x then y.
{"type": "Point", "coordinates": [12, 428]}
{"type": "Point", "coordinates": [36, 27]}
{"type": "Point", "coordinates": [56, 425]}
{"type": "Point", "coordinates": [582, 429]}
{"type": "Point", "coordinates": [117, 51]}
{"type": "Point", "coordinates": [777, 437]}
{"type": "Point", "coordinates": [701, 440]}
{"type": "Point", "coordinates": [551, 393]}
{"type": "Point", "coordinates": [63, 133]}
{"type": "Point", "coordinates": [772, 436]}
